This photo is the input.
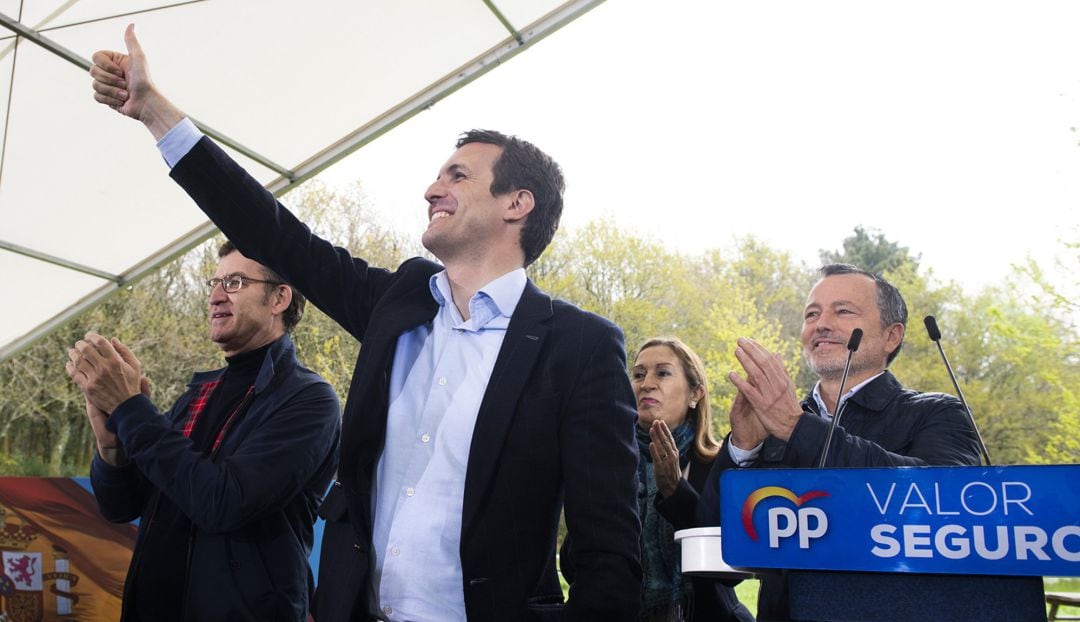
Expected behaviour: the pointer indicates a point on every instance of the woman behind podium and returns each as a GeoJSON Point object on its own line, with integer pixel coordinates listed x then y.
{"type": "Point", "coordinates": [677, 448]}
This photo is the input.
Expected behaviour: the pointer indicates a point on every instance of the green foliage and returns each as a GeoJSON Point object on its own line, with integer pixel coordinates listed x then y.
{"type": "Point", "coordinates": [747, 592]}
{"type": "Point", "coordinates": [343, 217]}
{"type": "Point", "coordinates": [708, 302]}
{"type": "Point", "coordinates": [1059, 282]}
{"type": "Point", "coordinates": [871, 251]}
{"type": "Point", "coordinates": [163, 319]}
{"type": "Point", "coordinates": [1015, 348]}
{"type": "Point", "coordinates": [1019, 372]}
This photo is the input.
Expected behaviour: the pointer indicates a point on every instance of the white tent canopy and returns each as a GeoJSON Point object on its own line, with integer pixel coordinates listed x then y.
{"type": "Point", "coordinates": [291, 87]}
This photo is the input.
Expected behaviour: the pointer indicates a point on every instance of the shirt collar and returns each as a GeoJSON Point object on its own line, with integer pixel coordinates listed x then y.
{"type": "Point", "coordinates": [821, 404]}
{"type": "Point", "coordinates": [499, 297]}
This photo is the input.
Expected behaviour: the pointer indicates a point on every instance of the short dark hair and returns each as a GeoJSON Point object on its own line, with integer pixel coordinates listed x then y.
{"type": "Point", "coordinates": [522, 166]}
{"type": "Point", "coordinates": [295, 311]}
{"type": "Point", "coordinates": [891, 305]}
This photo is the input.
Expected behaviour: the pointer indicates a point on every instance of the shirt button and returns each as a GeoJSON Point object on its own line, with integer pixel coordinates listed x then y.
{"type": "Point", "coordinates": [409, 492]}
{"type": "Point", "coordinates": [442, 382]}
{"type": "Point", "coordinates": [388, 610]}
{"type": "Point", "coordinates": [395, 551]}
{"type": "Point", "coordinates": [424, 438]}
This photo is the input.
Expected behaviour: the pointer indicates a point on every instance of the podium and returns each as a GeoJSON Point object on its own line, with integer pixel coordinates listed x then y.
{"type": "Point", "coordinates": [913, 543]}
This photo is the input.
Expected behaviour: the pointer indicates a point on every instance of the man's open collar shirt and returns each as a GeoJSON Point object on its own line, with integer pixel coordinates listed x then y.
{"type": "Point", "coordinates": [440, 373]}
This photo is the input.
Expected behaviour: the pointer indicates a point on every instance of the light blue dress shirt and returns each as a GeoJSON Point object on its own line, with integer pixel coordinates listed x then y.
{"type": "Point", "coordinates": [438, 380]}
{"type": "Point", "coordinates": [440, 373]}
{"type": "Point", "coordinates": [178, 141]}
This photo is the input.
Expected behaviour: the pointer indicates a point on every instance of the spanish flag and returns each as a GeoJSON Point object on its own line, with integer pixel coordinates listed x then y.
{"type": "Point", "coordinates": [66, 559]}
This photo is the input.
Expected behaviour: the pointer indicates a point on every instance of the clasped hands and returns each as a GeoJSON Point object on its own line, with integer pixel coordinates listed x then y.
{"type": "Point", "coordinates": [108, 374]}
{"type": "Point", "coordinates": [766, 403]}
{"type": "Point", "coordinates": [106, 370]}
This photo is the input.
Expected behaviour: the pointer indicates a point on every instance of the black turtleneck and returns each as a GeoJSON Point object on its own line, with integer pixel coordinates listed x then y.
{"type": "Point", "coordinates": [239, 376]}
{"type": "Point", "coordinates": [159, 575]}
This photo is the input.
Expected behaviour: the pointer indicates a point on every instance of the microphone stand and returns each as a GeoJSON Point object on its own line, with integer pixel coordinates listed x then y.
{"type": "Point", "coordinates": [935, 336]}
{"type": "Point", "coordinates": [852, 346]}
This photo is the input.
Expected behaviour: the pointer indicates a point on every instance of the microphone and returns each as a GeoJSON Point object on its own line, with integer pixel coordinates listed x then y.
{"type": "Point", "coordinates": [932, 329]}
{"type": "Point", "coordinates": [935, 336]}
{"type": "Point", "coordinates": [852, 346]}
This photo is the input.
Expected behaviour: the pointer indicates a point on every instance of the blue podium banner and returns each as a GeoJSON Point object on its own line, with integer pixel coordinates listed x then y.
{"type": "Point", "coordinates": [1019, 520]}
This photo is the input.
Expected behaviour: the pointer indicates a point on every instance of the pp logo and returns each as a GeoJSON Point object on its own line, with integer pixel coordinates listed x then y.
{"type": "Point", "coordinates": [784, 522]}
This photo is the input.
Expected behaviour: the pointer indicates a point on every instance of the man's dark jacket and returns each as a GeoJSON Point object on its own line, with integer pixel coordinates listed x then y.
{"type": "Point", "coordinates": [556, 423]}
{"type": "Point", "coordinates": [882, 425]}
{"type": "Point", "coordinates": [252, 502]}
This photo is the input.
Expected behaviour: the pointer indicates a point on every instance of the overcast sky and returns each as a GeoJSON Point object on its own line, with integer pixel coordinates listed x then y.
{"type": "Point", "coordinates": [948, 126]}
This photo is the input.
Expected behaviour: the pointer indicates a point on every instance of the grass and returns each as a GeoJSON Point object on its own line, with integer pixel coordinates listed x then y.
{"type": "Point", "coordinates": [1063, 584]}
{"type": "Point", "coordinates": [747, 593]}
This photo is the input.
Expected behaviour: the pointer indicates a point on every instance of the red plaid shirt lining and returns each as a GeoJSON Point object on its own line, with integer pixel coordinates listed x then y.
{"type": "Point", "coordinates": [198, 405]}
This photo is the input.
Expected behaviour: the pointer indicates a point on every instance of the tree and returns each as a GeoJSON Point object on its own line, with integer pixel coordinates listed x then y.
{"type": "Point", "coordinates": [1014, 347]}
{"type": "Point", "coordinates": [629, 280]}
{"type": "Point", "coordinates": [42, 419]}
{"type": "Point", "coordinates": [1059, 283]}
{"type": "Point", "coordinates": [871, 251]}
{"type": "Point", "coordinates": [1019, 371]}
{"type": "Point", "coordinates": [343, 216]}
{"type": "Point", "coordinates": [163, 318]}
{"type": "Point", "coordinates": [708, 301]}
{"type": "Point", "coordinates": [1016, 365]}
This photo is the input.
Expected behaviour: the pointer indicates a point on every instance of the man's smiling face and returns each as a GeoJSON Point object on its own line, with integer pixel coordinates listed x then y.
{"type": "Point", "coordinates": [837, 305]}
{"type": "Point", "coordinates": [463, 215]}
